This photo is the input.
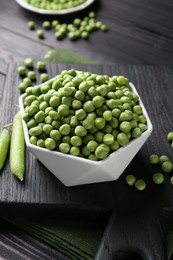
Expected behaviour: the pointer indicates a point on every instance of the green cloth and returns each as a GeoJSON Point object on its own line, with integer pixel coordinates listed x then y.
{"type": "Point", "coordinates": [76, 238]}
{"type": "Point", "coordinates": [64, 56]}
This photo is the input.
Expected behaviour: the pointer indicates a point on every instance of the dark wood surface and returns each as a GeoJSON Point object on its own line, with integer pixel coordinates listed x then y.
{"type": "Point", "coordinates": [140, 33]}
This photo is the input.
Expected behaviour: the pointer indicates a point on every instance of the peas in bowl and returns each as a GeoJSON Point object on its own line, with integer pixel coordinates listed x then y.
{"type": "Point", "coordinates": [84, 127]}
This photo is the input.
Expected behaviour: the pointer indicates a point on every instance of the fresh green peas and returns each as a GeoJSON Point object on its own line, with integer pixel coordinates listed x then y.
{"type": "Point", "coordinates": [65, 129]}
{"type": "Point", "coordinates": [40, 34]}
{"type": "Point", "coordinates": [33, 140]}
{"type": "Point", "coordinates": [41, 66]}
{"type": "Point", "coordinates": [140, 184]}
{"type": "Point", "coordinates": [44, 77]}
{"type": "Point", "coordinates": [99, 122]}
{"type": "Point", "coordinates": [122, 139]}
{"type": "Point", "coordinates": [64, 148]}
{"type": "Point", "coordinates": [29, 62]}
{"type": "Point", "coordinates": [170, 136]}
{"type": "Point", "coordinates": [102, 151]}
{"type": "Point", "coordinates": [167, 167]}
{"type": "Point", "coordinates": [21, 71]}
{"type": "Point", "coordinates": [80, 114]}
{"type": "Point", "coordinates": [54, 101]}
{"type": "Point", "coordinates": [74, 150]}
{"type": "Point", "coordinates": [158, 178]}
{"type": "Point", "coordinates": [80, 131]}
{"type": "Point", "coordinates": [39, 116]}
{"type": "Point", "coordinates": [55, 134]}
{"type": "Point", "coordinates": [137, 109]}
{"type": "Point", "coordinates": [76, 140]}
{"type": "Point", "coordinates": [108, 139]}
{"type": "Point", "coordinates": [47, 129]}
{"type": "Point", "coordinates": [125, 127]}
{"type": "Point", "coordinates": [50, 143]}
{"type": "Point", "coordinates": [163, 158]}
{"type": "Point", "coordinates": [41, 143]}
{"type": "Point", "coordinates": [88, 106]}
{"type": "Point", "coordinates": [63, 110]}
{"type": "Point", "coordinates": [31, 75]}
{"type": "Point", "coordinates": [46, 25]}
{"type": "Point", "coordinates": [130, 179]}
{"type": "Point", "coordinates": [154, 159]}
{"type": "Point", "coordinates": [31, 25]}
{"type": "Point", "coordinates": [92, 145]}
{"type": "Point", "coordinates": [88, 122]}
{"type": "Point", "coordinates": [22, 86]}
{"type": "Point", "coordinates": [37, 130]}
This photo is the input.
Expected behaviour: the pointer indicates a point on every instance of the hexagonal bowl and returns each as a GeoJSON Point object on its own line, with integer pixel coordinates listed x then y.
{"type": "Point", "coordinates": [72, 170]}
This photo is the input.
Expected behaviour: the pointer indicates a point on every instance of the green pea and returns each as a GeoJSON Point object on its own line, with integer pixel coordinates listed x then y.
{"type": "Point", "coordinates": [167, 167]}
{"type": "Point", "coordinates": [31, 75]}
{"type": "Point", "coordinates": [130, 179]}
{"type": "Point", "coordinates": [65, 129]}
{"type": "Point", "coordinates": [47, 129]}
{"type": "Point", "coordinates": [137, 109]}
{"type": "Point", "coordinates": [32, 110]}
{"type": "Point", "coordinates": [39, 116]}
{"type": "Point", "coordinates": [63, 110]}
{"type": "Point", "coordinates": [125, 127]}
{"type": "Point", "coordinates": [136, 132]}
{"type": "Point", "coordinates": [114, 146]}
{"type": "Point", "coordinates": [140, 184]}
{"type": "Point", "coordinates": [36, 90]}
{"type": "Point", "coordinates": [163, 158]}
{"type": "Point", "coordinates": [37, 130]}
{"type": "Point", "coordinates": [41, 66]}
{"type": "Point", "coordinates": [92, 145]}
{"type": "Point", "coordinates": [102, 151]}
{"type": "Point", "coordinates": [31, 25]}
{"type": "Point", "coordinates": [64, 148]}
{"type": "Point", "coordinates": [44, 77]}
{"type": "Point", "coordinates": [74, 150]}
{"type": "Point", "coordinates": [80, 131]}
{"type": "Point", "coordinates": [29, 62]}
{"type": "Point", "coordinates": [99, 122]}
{"type": "Point", "coordinates": [50, 143]}
{"type": "Point", "coordinates": [56, 85]}
{"type": "Point", "coordinates": [171, 180]}
{"type": "Point", "coordinates": [122, 139]}
{"type": "Point", "coordinates": [41, 143]}
{"type": "Point", "coordinates": [158, 178]}
{"type": "Point", "coordinates": [55, 134]}
{"type": "Point", "coordinates": [170, 136]}
{"type": "Point", "coordinates": [33, 140]}
{"type": "Point", "coordinates": [31, 123]}
{"type": "Point", "coordinates": [21, 70]}
{"type": "Point", "coordinates": [40, 34]}
{"type": "Point", "coordinates": [46, 25]}
{"type": "Point", "coordinates": [54, 101]}
{"type": "Point", "coordinates": [154, 159]}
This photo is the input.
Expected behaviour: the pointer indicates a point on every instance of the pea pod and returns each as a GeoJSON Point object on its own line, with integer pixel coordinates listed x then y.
{"type": "Point", "coordinates": [4, 146]}
{"type": "Point", "coordinates": [17, 148]}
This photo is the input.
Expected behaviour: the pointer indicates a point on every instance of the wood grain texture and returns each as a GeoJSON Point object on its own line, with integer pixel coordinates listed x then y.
{"type": "Point", "coordinates": [139, 33]}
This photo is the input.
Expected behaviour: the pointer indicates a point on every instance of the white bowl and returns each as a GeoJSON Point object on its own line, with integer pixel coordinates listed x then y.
{"type": "Point", "coordinates": [73, 170]}
{"type": "Point", "coordinates": [34, 9]}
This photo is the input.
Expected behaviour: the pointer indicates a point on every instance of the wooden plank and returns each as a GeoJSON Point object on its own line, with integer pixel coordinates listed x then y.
{"type": "Point", "coordinates": [135, 35]}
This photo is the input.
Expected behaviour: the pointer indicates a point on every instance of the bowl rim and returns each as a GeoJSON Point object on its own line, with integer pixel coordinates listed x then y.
{"type": "Point", "coordinates": [29, 7]}
{"type": "Point", "coordinates": [29, 145]}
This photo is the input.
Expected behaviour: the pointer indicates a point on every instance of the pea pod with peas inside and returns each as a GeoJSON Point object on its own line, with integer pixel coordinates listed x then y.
{"type": "Point", "coordinates": [4, 145]}
{"type": "Point", "coordinates": [17, 148]}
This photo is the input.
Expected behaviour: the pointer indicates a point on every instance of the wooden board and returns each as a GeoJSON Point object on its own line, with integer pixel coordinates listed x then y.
{"type": "Point", "coordinates": [135, 213]}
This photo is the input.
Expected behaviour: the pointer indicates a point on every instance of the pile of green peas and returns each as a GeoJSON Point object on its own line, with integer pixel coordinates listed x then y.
{"type": "Point", "coordinates": [83, 114]}
{"type": "Point", "coordinates": [27, 72]}
{"type": "Point", "coordinates": [55, 4]}
{"type": "Point", "coordinates": [79, 28]}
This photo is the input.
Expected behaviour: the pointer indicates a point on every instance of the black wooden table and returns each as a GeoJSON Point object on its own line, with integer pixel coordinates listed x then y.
{"type": "Point", "coordinates": [139, 45]}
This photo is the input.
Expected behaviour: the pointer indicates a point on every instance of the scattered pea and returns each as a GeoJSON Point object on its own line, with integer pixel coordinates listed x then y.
{"type": "Point", "coordinates": [140, 184]}
{"type": "Point", "coordinates": [130, 179]}
{"type": "Point", "coordinates": [163, 158]}
{"type": "Point", "coordinates": [29, 62]}
{"type": "Point", "coordinates": [21, 70]}
{"type": "Point", "coordinates": [31, 25]}
{"type": "Point", "coordinates": [167, 166]}
{"type": "Point", "coordinates": [154, 159]}
{"type": "Point", "coordinates": [158, 178]}
{"type": "Point", "coordinates": [40, 34]}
